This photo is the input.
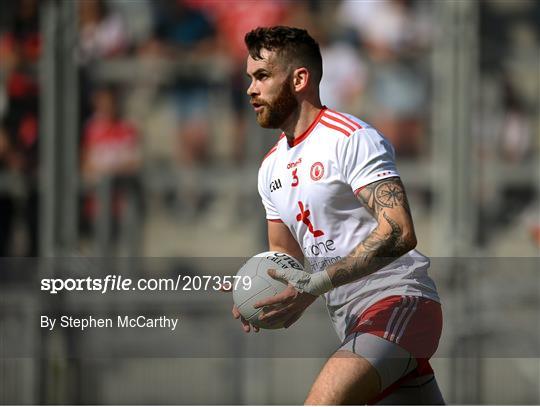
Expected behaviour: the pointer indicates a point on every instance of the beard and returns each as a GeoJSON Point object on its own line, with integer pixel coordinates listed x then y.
{"type": "Point", "coordinates": [276, 112]}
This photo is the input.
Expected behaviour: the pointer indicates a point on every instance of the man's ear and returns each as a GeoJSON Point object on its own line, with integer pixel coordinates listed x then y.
{"type": "Point", "coordinates": [301, 79]}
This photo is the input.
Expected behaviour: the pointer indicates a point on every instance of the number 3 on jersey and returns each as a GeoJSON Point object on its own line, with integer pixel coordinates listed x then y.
{"type": "Point", "coordinates": [295, 178]}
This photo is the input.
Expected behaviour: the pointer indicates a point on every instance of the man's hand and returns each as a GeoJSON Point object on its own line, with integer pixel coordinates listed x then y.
{"type": "Point", "coordinates": [287, 306]}
{"type": "Point", "coordinates": [245, 324]}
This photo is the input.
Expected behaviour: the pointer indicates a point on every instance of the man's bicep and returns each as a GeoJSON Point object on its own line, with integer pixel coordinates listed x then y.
{"type": "Point", "coordinates": [387, 201]}
{"type": "Point", "coordinates": [280, 239]}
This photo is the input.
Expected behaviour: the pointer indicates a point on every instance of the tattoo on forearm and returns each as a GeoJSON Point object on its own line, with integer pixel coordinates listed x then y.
{"type": "Point", "coordinates": [378, 249]}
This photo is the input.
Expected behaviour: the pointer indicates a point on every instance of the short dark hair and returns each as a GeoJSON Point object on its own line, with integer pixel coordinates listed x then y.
{"type": "Point", "coordinates": [292, 44]}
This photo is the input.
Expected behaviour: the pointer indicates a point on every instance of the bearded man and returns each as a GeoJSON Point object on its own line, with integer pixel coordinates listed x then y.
{"type": "Point", "coordinates": [343, 209]}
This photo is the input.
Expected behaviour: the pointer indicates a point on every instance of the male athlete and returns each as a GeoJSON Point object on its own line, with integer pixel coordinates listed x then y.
{"type": "Point", "coordinates": [333, 197]}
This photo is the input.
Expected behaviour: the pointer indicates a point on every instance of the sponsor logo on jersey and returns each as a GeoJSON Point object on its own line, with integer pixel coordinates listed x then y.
{"type": "Point", "coordinates": [318, 264]}
{"type": "Point", "coordinates": [317, 171]}
{"type": "Point", "coordinates": [303, 216]}
{"type": "Point", "coordinates": [320, 248]}
{"type": "Point", "coordinates": [275, 185]}
{"type": "Point", "coordinates": [294, 164]}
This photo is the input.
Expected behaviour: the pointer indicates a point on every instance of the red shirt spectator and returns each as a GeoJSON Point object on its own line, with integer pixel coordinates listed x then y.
{"type": "Point", "coordinates": [234, 19]}
{"type": "Point", "coordinates": [110, 144]}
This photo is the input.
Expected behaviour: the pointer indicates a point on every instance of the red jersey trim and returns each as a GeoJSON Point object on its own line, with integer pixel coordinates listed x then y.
{"type": "Point", "coordinates": [345, 118]}
{"type": "Point", "coordinates": [356, 192]}
{"type": "Point", "coordinates": [269, 153]}
{"type": "Point", "coordinates": [331, 126]}
{"type": "Point", "coordinates": [306, 133]}
{"type": "Point", "coordinates": [343, 122]}
{"type": "Point", "coordinates": [273, 148]}
{"type": "Point", "coordinates": [275, 220]}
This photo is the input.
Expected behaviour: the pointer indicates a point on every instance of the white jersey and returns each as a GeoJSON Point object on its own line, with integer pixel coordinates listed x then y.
{"type": "Point", "coordinates": [310, 186]}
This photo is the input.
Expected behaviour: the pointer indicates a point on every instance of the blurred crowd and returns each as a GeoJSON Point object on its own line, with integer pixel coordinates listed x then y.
{"type": "Point", "coordinates": [376, 65]}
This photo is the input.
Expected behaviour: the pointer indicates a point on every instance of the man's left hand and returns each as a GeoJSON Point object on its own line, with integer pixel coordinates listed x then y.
{"type": "Point", "coordinates": [300, 293]}
{"type": "Point", "coordinates": [286, 306]}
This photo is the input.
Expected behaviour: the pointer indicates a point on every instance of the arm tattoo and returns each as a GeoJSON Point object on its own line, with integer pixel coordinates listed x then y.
{"type": "Point", "coordinates": [379, 248]}
{"type": "Point", "coordinates": [388, 193]}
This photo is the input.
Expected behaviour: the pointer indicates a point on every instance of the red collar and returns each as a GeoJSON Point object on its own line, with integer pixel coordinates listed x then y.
{"type": "Point", "coordinates": [303, 136]}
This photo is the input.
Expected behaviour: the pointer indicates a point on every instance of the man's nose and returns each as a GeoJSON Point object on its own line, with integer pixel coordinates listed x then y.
{"type": "Point", "coordinates": [252, 90]}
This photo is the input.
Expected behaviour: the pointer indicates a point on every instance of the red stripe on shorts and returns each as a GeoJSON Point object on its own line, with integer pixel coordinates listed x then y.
{"type": "Point", "coordinates": [415, 323]}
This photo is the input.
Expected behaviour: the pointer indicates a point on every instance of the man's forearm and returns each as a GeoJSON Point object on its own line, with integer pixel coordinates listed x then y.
{"type": "Point", "coordinates": [379, 249]}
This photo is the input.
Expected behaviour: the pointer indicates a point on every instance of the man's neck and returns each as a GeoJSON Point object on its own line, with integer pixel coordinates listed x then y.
{"type": "Point", "coordinates": [300, 120]}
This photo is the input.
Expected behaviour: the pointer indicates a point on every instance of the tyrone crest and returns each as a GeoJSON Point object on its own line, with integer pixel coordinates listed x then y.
{"type": "Point", "coordinates": [317, 171]}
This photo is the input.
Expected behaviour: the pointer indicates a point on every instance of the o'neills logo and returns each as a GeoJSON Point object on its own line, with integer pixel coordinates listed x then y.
{"type": "Point", "coordinates": [303, 216]}
{"type": "Point", "coordinates": [294, 164]}
{"type": "Point", "coordinates": [317, 171]}
{"type": "Point", "coordinates": [285, 261]}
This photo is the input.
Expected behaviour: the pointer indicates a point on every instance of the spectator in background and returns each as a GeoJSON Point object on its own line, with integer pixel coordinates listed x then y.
{"type": "Point", "coordinates": [184, 31]}
{"type": "Point", "coordinates": [516, 140]}
{"type": "Point", "coordinates": [400, 91]}
{"type": "Point", "coordinates": [232, 20]}
{"type": "Point", "coordinates": [345, 73]}
{"type": "Point", "coordinates": [22, 39]}
{"type": "Point", "coordinates": [181, 31]}
{"type": "Point", "coordinates": [110, 150]}
{"type": "Point", "coordinates": [19, 54]}
{"type": "Point", "coordinates": [183, 28]}
{"type": "Point", "coordinates": [20, 48]}
{"type": "Point", "coordinates": [8, 162]}
{"type": "Point", "coordinates": [136, 17]}
{"type": "Point", "coordinates": [394, 35]}
{"type": "Point", "coordinates": [381, 25]}
{"type": "Point", "coordinates": [110, 145]}
{"type": "Point", "coordinates": [101, 34]}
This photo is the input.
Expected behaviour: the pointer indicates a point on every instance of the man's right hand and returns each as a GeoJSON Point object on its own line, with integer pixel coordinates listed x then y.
{"type": "Point", "coordinates": [245, 324]}
{"type": "Point", "coordinates": [236, 315]}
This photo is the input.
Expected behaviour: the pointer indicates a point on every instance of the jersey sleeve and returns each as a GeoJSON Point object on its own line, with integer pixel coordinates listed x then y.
{"type": "Point", "coordinates": [366, 156]}
{"type": "Point", "coordinates": [264, 191]}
